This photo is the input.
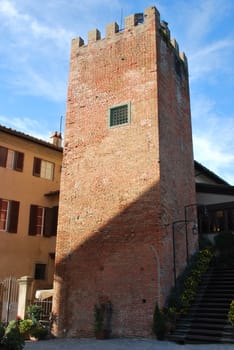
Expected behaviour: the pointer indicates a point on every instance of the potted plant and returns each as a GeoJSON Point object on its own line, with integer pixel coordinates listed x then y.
{"type": "Point", "coordinates": [25, 327]}
{"type": "Point", "coordinates": [33, 312]}
{"type": "Point", "coordinates": [102, 320]}
{"type": "Point", "coordinates": [160, 324]}
{"type": "Point", "coordinates": [38, 332]}
{"type": "Point", "coordinates": [2, 332]}
{"type": "Point", "coordinates": [99, 321]}
{"type": "Point", "coordinates": [12, 339]}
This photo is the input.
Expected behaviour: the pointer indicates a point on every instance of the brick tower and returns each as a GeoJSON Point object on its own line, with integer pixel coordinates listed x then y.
{"type": "Point", "coordinates": [127, 176]}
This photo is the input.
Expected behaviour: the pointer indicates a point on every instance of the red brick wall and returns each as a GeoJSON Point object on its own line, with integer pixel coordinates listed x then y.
{"type": "Point", "coordinates": [177, 181]}
{"type": "Point", "coordinates": [117, 201]}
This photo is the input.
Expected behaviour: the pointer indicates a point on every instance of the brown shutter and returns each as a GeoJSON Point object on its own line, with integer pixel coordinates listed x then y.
{"type": "Point", "coordinates": [55, 221]}
{"type": "Point", "coordinates": [37, 167]}
{"type": "Point", "coordinates": [19, 161]}
{"type": "Point", "coordinates": [48, 222]}
{"type": "Point", "coordinates": [3, 156]}
{"type": "Point", "coordinates": [13, 217]}
{"type": "Point", "coordinates": [32, 230]}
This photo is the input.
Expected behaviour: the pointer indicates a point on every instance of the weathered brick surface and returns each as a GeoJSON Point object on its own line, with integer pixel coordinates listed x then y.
{"type": "Point", "coordinates": [122, 187]}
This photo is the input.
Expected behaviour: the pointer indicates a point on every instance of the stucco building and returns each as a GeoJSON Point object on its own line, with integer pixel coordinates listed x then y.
{"type": "Point", "coordinates": [29, 193]}
{"type": "Point", "coordinates": [127, 175]}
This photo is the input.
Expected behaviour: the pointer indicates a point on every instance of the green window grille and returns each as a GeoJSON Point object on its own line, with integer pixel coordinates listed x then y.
{"type": "Point", "coordinates": [119, 115]}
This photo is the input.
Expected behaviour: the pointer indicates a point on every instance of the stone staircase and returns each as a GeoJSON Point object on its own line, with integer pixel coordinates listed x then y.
{"type": "Point", "coordinates": [207, 320]}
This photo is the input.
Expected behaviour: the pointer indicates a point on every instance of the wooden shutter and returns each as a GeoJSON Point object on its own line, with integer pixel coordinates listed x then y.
{"type": "Point", "coordinates": [3, 156]}
{"type": "Point", "coordinates": [19, 161]}
{"type": "Point", "coordinates": [55, 220]}
{"type": "Point", "coordinates": [48, 222]}
{"type": "Point", "coordinates": [13, 217]}
{"type": "Point", "coordinates": [3, 215]}
{"type": "Point", "coordinates": [37, 167]}
{"type": "Point", "coordinates": [32, 230]}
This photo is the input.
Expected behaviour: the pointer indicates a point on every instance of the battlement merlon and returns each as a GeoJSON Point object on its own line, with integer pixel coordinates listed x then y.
{"type": "Point", "coordinates": [175, 45]}
{"type": "Point", "coordinates": [111, 29]}
{"type": "Point", "coordinates": [184, 59]}
{"type": "Point", "coordinates": [129, 23]}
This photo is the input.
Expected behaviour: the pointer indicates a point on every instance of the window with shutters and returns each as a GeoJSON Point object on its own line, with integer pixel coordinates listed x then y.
{"type": "Point", "coordinates": [43, 221]}
{"type": "Point", "coordinates": [9, 213]}
{"type": "Point", "coordinates": [11, 159]}
{"type": "Point", "coordinates": [43, 168]}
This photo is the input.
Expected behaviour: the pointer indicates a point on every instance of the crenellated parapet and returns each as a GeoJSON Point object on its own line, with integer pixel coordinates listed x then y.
{"type": "Point", "coordinates": [112, 28]}
{"type": "Point", "coordinates": [166, 34]}
{"type": "Point", "coordinates": [130, 23]}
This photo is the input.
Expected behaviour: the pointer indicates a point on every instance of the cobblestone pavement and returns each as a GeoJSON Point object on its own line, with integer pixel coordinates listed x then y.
{"type": "Point", "coordinates": [119, 344]}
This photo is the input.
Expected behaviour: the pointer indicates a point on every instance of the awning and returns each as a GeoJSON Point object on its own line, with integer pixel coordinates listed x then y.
{"type": "Point", "coordinates": [42, 294]}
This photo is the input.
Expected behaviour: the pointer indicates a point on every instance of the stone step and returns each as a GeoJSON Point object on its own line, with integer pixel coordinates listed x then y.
{"type": "Point", "coordinates": [217, 289]}
{"type": "Point", "coordinates": [206, 304]}
{"type": "Point", "coordinates": [214, 301]}
{"type": "Point", "coordinates": [204, 320]}
{"type": "Point", "coordinates": [201, 339]}
{"type": "Point", "coordinates": [219, 277]}
{"type": "Point", "coordinates": [215, 297]}
{"type": "Point", "coordinates": [211, 310]}
{"type": "Point", "coordinates": [207, 319]}
{"type": "Point", "coordinates": [193, 338]}
{"type": "Point", "coordinates": [205, 325]}
{"type": "Point", "coordinates": [217, 294]}
{"type": "Point", "coordinates": [206, 331]}
{"type": "Point", "coordinates": [228, 282]}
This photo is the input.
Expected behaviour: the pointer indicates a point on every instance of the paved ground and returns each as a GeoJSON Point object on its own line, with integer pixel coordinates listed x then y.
{"type": "Point", "coordinates": [119, 344]}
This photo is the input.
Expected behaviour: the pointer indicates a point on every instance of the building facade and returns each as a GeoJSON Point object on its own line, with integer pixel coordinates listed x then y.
{"type": "Point", "coordinates": [127, 175]}
{"type": "Point", "coordinates": [29, 193]}
{"type": "Point", "coordinates": [215, 201]}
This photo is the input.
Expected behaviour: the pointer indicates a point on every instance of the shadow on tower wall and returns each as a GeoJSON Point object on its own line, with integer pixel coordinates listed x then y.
{"type": "Point", "coordinates": [128, 261]}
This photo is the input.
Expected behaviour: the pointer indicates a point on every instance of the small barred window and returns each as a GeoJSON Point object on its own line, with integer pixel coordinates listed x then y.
{"type": "Point", "coordinates": [119, 115]}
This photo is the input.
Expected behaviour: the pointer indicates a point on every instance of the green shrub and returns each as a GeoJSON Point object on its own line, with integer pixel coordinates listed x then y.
{"type": "Point", "coordinates": [182, 295]}
{"type": "Point", "coordinates": [12, 338]}
{"type": "Point", "coordinates": [160, 323]}
{"type": "Point", "coordinates": [35, 328]}
{"type": "Point", "coordinates": [224, 241]}
{"type": "Point", "coordinates": [2, 330]}
{"type": "Point", "coordinates": [25, 327]}
{"type": "Point", "coordinates": [33, 312]}
{"type": "Point", "coordinates": [224, 244]}
{"type": "Point", "coordinates": [99, 311]}
{"type": "Point", "coordinates": [39, 332]}
{"type": "Point", "coordinates": [185, 292]}
{"type": "Point", "coordinates": [231, 314]}
{"type": "Point", "coordinates": [205, 243]}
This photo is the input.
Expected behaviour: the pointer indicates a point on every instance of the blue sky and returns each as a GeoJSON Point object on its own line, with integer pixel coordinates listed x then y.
{"type": "Point", "coordinates": [34, 62]}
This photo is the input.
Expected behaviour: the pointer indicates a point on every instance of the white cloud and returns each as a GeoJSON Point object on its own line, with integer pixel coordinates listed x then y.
{"type": "Point", "coordinates": [37, 54]}
{"type": "Point", "coordinates": [210, 59]}
{"type": "Point", "coordinates": [8, 9]}
{"type": "Point", "coordinates": [34, 83]}
{"type": "Point", "coordinates": [19, 24]}
{"type": "Point", "coordinates": [214, 156]}
{"type": "Point", "coordinates": [203, 16]}
{"type": "Point", "coordinates": [211, 152]}
{"type": "Point", "coordinates": [28, 126]}
{"type": "Point", "coordinates": [213, 137]}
